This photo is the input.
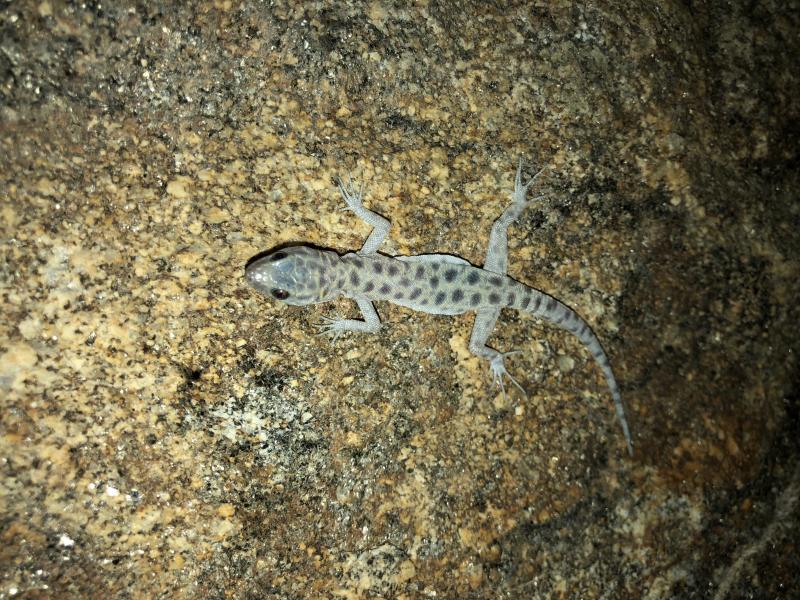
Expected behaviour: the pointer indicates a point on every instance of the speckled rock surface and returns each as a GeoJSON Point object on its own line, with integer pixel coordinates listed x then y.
{"type": "Point", "coordinates": [168, 433]}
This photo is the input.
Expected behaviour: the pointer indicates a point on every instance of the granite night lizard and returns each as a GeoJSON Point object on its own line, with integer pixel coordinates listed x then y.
{"type": "Point", "coordinates": [433, 283]}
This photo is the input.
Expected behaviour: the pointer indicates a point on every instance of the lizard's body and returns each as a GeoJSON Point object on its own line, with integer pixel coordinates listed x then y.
{"type": "Point", "coordinates": [432, 283]}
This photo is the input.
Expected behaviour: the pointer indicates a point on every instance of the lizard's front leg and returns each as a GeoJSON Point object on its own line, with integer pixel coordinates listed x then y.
{"type": "Point", "coordinates": [370, 324]}
{"type": "Point", "coordinates": [380, 225]}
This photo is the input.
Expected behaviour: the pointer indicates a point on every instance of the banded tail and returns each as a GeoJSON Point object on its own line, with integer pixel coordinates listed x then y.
{"type": "Point", "coordinates": [541, 305]}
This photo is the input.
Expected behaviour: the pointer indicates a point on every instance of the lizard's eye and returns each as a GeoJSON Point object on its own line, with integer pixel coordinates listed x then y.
{"type": "Point", "coordinates": [280, 294]}
{"type": "Point", "coordinates": [277, 256]}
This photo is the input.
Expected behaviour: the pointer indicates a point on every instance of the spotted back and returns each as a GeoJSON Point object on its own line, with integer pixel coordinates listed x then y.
{"type": "Point", "coordinates": [437, 284]}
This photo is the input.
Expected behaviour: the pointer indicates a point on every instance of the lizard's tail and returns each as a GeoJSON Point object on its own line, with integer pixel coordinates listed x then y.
{"type": "Point", "coordinates": [548, 308]}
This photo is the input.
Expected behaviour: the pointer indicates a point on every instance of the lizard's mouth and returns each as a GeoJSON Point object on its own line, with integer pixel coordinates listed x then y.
{"type": "Point", "coordinates": [254, 276]}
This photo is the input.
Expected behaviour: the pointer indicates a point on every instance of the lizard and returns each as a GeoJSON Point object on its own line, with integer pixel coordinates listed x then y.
{"type": "Point", "coordinates": [439, 284]}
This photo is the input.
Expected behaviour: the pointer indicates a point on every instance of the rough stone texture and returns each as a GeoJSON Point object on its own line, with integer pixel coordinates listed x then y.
{"type": "Point", "coordinates": [168, 433]}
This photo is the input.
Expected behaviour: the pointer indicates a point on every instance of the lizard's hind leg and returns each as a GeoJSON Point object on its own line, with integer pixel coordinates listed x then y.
{"type": "Point", "coordinates": [497, 262]}
{"type": "Point", "coordinates": [484, 323]}
{"type": "Point", "coordinates": [497, 252]}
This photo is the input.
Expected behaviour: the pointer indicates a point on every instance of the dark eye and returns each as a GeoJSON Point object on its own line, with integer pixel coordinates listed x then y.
{"type": "Point", "coordinates": [280, 294]}
{"type": "Point", "coordinates": [277, 256]}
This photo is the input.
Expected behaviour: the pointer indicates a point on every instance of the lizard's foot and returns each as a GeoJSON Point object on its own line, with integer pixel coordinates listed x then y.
{"type": "Point", "coordinates": [332, 326]}
{"type": "Point", "coordinates": [521, 189]}
{"type": "Point", "coordinates": [351, 195]}
{"type": "Point", "coordinates": [498, 367]}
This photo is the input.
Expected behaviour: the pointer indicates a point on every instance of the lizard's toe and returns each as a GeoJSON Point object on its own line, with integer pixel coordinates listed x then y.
{"type": "Point", "coordinates": [499, 371]}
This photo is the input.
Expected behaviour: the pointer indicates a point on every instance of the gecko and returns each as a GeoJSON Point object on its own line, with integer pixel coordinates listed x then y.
{"type": "Point", "coordinates": [439, 284]}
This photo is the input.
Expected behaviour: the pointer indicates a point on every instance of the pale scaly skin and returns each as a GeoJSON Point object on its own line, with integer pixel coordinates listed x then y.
{"type": "Point", "coordinates": [432, 283]}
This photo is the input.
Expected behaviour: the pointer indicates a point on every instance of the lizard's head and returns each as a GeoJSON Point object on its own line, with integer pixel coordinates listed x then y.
{"type": "Point", "coordinates": [294, 275]}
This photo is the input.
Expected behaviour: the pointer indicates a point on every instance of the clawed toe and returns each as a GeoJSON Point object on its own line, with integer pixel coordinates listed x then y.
{"type": "Point", "coordinates": [520, 194]}
{"type": "Point", "coordinates": [499, 371]}
{"type": "Point", "coordinates": [328, 326]}
{"type": "Point", "coordinates": [351, 195]}
{"type": "Point", "coordinates": [518, 180]}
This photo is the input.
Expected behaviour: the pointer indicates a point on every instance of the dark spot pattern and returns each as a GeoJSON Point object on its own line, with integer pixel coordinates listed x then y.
{"type": "Point", "coordinates": [511, 299]}
{"type": "Point", "coordinates": [358, 263]}
{"type": "Point", "coordinates": [450, 274]}
{"type": "Point", "coordinates": [435, 266]}
{"type": "Point", "coordinates": [434, 282]}
{"type": "Point", "coordinates": [340, 283]}
{"type": "Point", "coordinates": [420, 272]}
{"type": "Point", "coordinates": [385, 289]}
{"type": "Point", "coordinates": [439, 298]}
{"type": "Point", "coordinates": [398, 296]}
{"type": "Point", "coordinates": [393, 270]}
{"type": "Point", "coordinates": [369, 287]}
{"type": "Point", "coordinates": [525, 302]}
{"type": "Point", "coordinates": [551, 304]}
{"type": "Point", "coordinates": [495, 281]}
{"type": "Point", "coordinates": [404, 282]}
{"type": "Point", "coordinates": [473, 277]}
{"type": "Point", "coordinates": [377, 267]}
{"type": "Point", "coordinates": [494, 298]}
{"type": "Point", "coordinates": [537, 303]}
{"type": "Point", "coordinates": [415, 294]}
{"type": "Point", "coordinates": [354, 278]}
{"type": "Point", "coordinates": [457, 296]}
{"type": "Point", "coordinates": [475, 299]}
